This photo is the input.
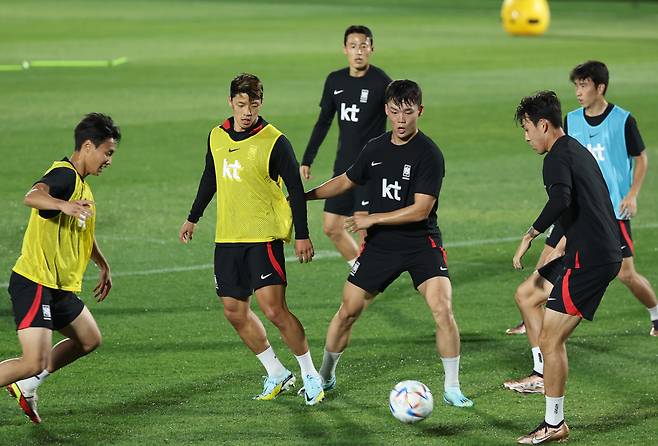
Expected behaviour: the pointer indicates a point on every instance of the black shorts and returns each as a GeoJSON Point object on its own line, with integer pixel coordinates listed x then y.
{"type": "Point", "coordinates": [354, 200]}
{"type": "Point", "coordinates": [241, 268]}
{"type": "Point", "coordinates": [626, 238]}
{"type": "Point", "coordinates": [578, 291]}
{"type": "Point", "coordinates": [375, 269]}
{"type": "Point", "coordinates": [35, 305]}
{"type": "Point", "coordinates": [555, 235]}
{"type": "Point", "coordinates": [552, 270]}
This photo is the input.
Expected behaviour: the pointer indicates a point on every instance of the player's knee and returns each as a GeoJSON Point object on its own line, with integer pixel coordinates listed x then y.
{"type": "Point", "coordinates": [277, 315]}
{"type": "Point", "coordinates": [236, 318]}
{"type": "Point", "coordinates": [347, 316]}
{"type": "Point", "coordinates": [523, 294]}
{"type": "Point", "coordinates": [442, 314]}
{"type": "Point", "coordinates": [548, 343]}
{"type": "Point", "coordinates": [626, 276]}
{"type": "Point", "coordinates": [92, 343]}
{"type": "Point", "coordinates": [333, 231]}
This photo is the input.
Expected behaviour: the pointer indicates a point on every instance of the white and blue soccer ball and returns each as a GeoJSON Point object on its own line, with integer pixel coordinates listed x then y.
{"type": "Point", "coordinates": [411, 401]}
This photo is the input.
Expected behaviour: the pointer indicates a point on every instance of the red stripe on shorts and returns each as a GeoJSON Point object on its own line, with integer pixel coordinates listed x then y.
{"type": "Point", "coordinates": [577, 261]}
{"type": "Point", "coordinates": [627, 237]}
{"type": "Point", "coordinates": [445, 255]}
{"type": "Point", "coordinates": [566, 296]}
{"type": "Point", "coordinates": [432, 242]}
{"type": "Point", "coordinates": [36, 303]}
{"type": "Point", "coordinates": [274, 262]}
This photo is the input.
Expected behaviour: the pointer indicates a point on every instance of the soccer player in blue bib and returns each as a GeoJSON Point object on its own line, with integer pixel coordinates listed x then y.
{"type": "Point", "coordinates": [610, 133]}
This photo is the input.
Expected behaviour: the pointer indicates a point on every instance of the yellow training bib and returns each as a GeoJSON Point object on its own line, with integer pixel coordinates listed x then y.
{"type": "Point", "coordinates": [251, 207]}
{"type": "Point", "coordinates": [56, 250]}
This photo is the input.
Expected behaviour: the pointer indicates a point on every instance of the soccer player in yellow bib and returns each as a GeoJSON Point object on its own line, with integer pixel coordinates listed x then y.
{"type": "Point", "coordinates": [246, 163]}
{"type": "Point", "coordinates": [58, 243]}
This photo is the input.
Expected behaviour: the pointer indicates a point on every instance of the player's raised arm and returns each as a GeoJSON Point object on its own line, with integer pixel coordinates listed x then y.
{"type": "Point", "coordinates": [39, 198]}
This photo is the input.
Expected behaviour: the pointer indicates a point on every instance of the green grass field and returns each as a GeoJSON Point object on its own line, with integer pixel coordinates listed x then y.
{"type": "Point", "coordinates": [171, 369]}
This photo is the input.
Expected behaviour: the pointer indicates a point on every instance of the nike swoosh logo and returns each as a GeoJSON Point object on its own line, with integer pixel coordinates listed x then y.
{"type": "Point", "coordinates": [373, 164]}
{"type": "Point", "coordinates": [233, 150]}
{"type": "Point", "coordinates": [443, 268]}
{"type": "Point", "coordinates": [365, 203]}
{"type": "Point", "coordinates": [623, 247]}
{"type": "Point", "coordinates": [265, 276]}
{"type": "Point", "coordinates": [551, 298]}
{"type": "Point", "coordinates": [592, 136]}
{"type": "Point", "coordinates": [337, 92]}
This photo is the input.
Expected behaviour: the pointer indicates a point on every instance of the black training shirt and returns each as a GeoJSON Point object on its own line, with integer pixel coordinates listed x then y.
{"type": "Point", "coordinates": [634, 143]}
{"type": "Point", "coordinates": [358, 103]}
{"type": "Point", "coordinates": [589, 220]}
{"type": "Point", "coordinates": [283, 163]}
{"type": "Point", "coordinates": [61, 184]}
{"type": "Point", "coordinates": [392, 175]}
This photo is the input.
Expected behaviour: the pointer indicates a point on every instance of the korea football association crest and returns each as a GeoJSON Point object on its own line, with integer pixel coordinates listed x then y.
{"type": "Point", "coordinates": [406, 172]}
{"type": "Point", "coordinates": [45, 309]}
{"type": "Point", "coordinates": [355, 268]}
{"type": "Point", "coordinates": [364, 96]}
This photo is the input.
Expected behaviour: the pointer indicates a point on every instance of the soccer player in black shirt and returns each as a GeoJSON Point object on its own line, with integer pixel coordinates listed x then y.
{"type": "Point", "coordinates": [403, 171]}
{"type": "Point", "coordinates": [356, 95]}
{"type": "Point", "coordinates": [578, 198]}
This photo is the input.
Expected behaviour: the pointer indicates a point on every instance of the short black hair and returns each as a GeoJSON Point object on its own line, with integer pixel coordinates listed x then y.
{"type": "Point", "coordinates": [358, 29]}
{"type": "Point", "coordinates": [541, 105]}
{"type": "Point", "coordinates": [249, 84]}
{"type": "Point", "coordinates": [403, 92]}
{"type": "Point", "coordinates": [97, 128]}
{"type": "Point", "coordinates": [593, 69]}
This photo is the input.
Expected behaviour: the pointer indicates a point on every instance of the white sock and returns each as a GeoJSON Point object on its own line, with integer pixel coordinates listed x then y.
{"type": "Point", "coordinates": [306, 364]}
{"type": "Point", "coordinates": [271, 363]}
{"type": "Point", "coordinates": [29, 385]}
{"type": "Point", "coordinates": [653, 312]}
{"type": "Point", "coordinates": [554, 410]}
{"type": "Point", "coordinates": [351, 262]}
{"type": "Point", "coordinates": [329, 363]}
{"type": "Point", "coordinates": [451, 370]}
{"type": "Point", "coordinates": [538, 361]}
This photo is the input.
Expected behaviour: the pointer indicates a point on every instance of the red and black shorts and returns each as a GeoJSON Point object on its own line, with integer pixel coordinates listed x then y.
{"type": "Point", "coordinates": [376, 269]}
{"type": "Point", "coordinates": [555, 235]}
{"type": "Point", "coordinates": [626, 238]}
{"type": "Point", "coordinates": [241, 268]}
{"type": "Point", "coordinates": [36, 305]}
{"type": "Point", "coordinates": [579, 291]}
{"type": "Point", "coordinates": [552, 270]}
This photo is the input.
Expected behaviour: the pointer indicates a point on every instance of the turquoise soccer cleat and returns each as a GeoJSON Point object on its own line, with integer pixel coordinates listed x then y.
{"type": "Point", "coordinates": [273, 386]}
{"type": "Point", "coordinates": [454, 397]}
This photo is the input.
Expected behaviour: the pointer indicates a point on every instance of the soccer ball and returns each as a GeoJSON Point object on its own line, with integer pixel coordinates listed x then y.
{"type": "Point", "coordinates": [411, 401]}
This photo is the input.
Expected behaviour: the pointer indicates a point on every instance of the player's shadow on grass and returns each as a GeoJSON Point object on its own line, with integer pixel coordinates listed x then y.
{"type": "Point", "coordinates": [140, 405]}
